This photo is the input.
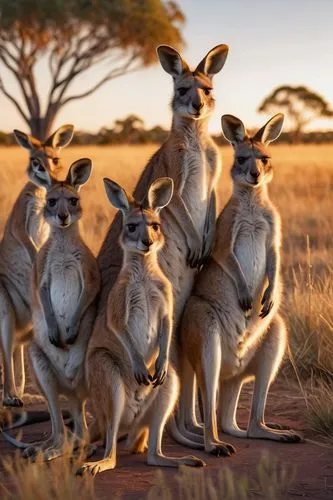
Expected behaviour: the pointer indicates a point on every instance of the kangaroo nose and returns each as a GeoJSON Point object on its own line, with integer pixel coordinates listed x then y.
{"type": "Point", "coordinates": [147, 242]}
{"type": "Point", "coordinates": [197, 105]}
{"type": "Point", "coordinates": [255, 174]}
{"type": "Point", "coordinates": [63, 217]}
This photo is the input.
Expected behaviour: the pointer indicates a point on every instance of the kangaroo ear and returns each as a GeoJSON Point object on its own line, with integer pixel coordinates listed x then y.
{"type": "Point", "coordinates": [39, 174]}
{"type": "Point", "coordinates": [271, 130]}
{"type": "Point", "coordinates": [214, 61]}
{"type": "Point", "coordinates": [171, 61]}
{"type": "Point", "coordinates": [117, 195]}
{"type": "Point", "coordinates": [160, 193]}
{"type": "Point", "coordinates": [233, 129]}
{"type": "Point", "coordinates": [79, 173]}
{"type": "Point", "coordinates": [61, 137]}
{"type": "Point", "coordinates": [26, 141]}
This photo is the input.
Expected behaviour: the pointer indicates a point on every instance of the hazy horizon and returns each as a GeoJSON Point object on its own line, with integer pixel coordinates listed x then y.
{"type": "Point", "coordinates": [271, 43]}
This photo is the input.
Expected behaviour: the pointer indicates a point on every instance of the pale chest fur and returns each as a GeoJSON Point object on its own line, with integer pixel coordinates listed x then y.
{"type": "Point", "coordinates": [147, 306]}
{"type": "Point", "coordinates": [251, 232]}
{"type": "Point", "coordinates": [65, 264]}
{"type": "Point", "coordinates": [65, 267]}
{"type": "Point", "coordinates": [198, 173]}
{"type": "Point", "coordinates": [36, 226]}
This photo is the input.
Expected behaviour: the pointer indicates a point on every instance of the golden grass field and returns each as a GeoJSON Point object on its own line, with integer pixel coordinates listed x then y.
{"type": "Point", "coordinates": [302, 190]}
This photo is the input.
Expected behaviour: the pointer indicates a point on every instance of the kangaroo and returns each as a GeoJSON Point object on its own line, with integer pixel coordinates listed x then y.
{"type": "Point", "coordinates": [190, 157]}
{"type": "Point", "coordinates": [132, 348]}
{"type": "Point", "coordinates": [24, 234]}
{"type": "Point", "coordinates": [65, 284]}
{"type": "Point", "coordinates": [231, 331]}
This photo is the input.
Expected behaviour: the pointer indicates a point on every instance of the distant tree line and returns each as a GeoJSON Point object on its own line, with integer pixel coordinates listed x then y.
{"type": "Point", "coordinates": [131, 130]}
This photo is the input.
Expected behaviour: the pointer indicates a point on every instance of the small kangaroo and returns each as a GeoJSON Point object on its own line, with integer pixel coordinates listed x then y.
{"type": "Point", "coordinates": [65, 285]}
{"type": "Point", "coordinates": [231, 330]}
{"type": "Point", "coordinates": [132, 347]}
{"type": "Point", "coordinates": [25, 232]}
{"type": "Point", "coordinates": [190, 157]}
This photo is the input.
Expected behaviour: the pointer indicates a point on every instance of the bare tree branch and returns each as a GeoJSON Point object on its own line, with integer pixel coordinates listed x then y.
{"type": "Point", "coordinates": [75, 37]}
{"type": "Point", "coordinates": [20, 81]}
{"type": "Point", "coordinates": [5, 49]}
{"type": "Point", "coordinates": [14, 101]}
{"type": "Point", "coordinates": [113, 74]}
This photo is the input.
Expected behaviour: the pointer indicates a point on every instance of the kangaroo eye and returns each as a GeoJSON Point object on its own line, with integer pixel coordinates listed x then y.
{"type": "Point", "coordinates": [265, 160]}
{"type": "Point", "coordinates": [155, 226]}
{"type": "Point", "coordinates": [241, 159]}
{"type": "Point", "coordinates": [182, 90]}
{"type": "Point", "coordinates": [131, 228]}
{"type": "Point", "coordinates": [207, 91]}
{"type": "Point", "coordinates": [51, 202]}
{"type": "Point", "coordinates": [36, 164]}
{"type": "Point", "coordinates": [55, 161]}
{"type": "Point", "coordinates": [73, 201]}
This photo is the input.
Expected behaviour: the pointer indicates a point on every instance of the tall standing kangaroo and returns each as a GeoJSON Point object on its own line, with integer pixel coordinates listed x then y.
{"type": "Point", "coordinates": [190, 157]}
{"type": "Point", "coordinates": [24, 234]}
{"type": "Point", "coordinates": [231, 330]}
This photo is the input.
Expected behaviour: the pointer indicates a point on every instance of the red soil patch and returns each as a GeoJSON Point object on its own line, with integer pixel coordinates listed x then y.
{"type": "Point", "coordinates": [313, 462]}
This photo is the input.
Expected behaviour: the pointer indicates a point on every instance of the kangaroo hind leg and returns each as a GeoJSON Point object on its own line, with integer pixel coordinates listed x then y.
{"type": "Point", "coordinates": [265, 366]}
{"type": "Point", "coordinates": [107, 392]}
{"type": "Point", "coordinates": [208, 375]}
{"type": "Point", "coordinates": [47, 381]}
{"type": "Point", "coordinates": [187, 419]}
{"type": "Point", "coordinates": [159, 412]}
{"type": "Point", "coordinates": [7, 330]}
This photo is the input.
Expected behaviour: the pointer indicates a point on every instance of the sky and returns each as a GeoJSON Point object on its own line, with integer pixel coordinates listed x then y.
{"type": "Point", "coordinates": [271, 42]}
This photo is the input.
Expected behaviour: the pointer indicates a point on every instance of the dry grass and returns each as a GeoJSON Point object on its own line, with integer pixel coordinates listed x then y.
{"type": "Point", "coordinates": [319, 411]}
{"type": "Point", "coordinates": [59, 482]}
{"type": "Point", "coordinates": [271, 482]}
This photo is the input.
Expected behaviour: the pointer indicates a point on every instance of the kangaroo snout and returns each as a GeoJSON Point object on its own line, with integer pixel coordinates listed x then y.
{"type": "Point", "coordinates": [197, 106]}
{"type": "Point", "coordinates": [63, 218]}
{"type": "Point", "coordinates": [147, 242]}
{"type": "Point", "coordinates": [255, 174]}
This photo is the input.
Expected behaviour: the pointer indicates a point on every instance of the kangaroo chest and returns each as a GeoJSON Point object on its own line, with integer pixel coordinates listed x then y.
{"type": "Point", "coordinates": [251, 231]}
{"type": "Point", "coordinates": [65, 288]}
{"type": "Point", "coordinates": [36, 226]}
{"type": "Point", "coordinates": [146, 306]}
{"type": "Point", "coordinates": [195, 192]}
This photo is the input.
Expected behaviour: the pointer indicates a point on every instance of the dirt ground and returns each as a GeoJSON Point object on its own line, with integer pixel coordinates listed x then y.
{"type": "Point", "coordinates": [313, 461]}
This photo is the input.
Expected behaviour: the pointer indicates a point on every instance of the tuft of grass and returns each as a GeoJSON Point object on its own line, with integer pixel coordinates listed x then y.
{"type": "Point", "coordinates": [272, 482]}
{"type": "Point", "coordinates": [41, 480]}
{"type": "Point", "coordinates": [309, 311]}
{"type": "Point", "coordinates": [319, 412]}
